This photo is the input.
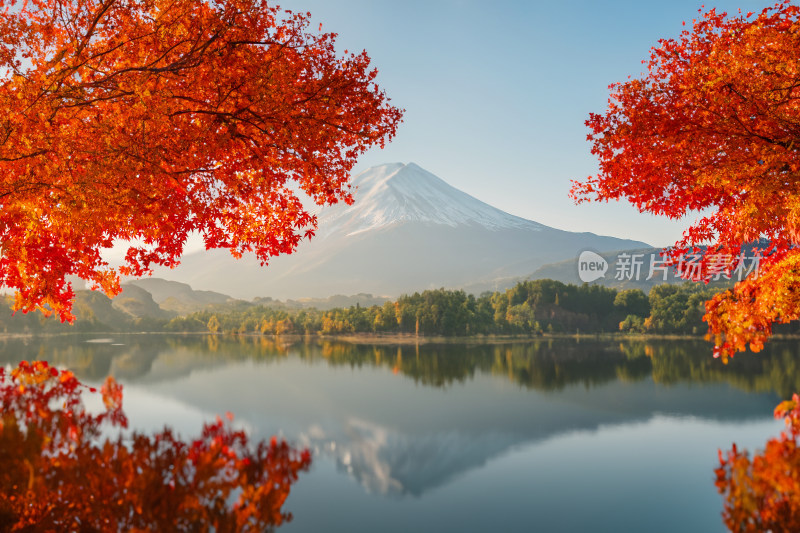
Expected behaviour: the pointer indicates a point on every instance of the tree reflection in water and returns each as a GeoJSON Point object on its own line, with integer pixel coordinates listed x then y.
{"type": "Point", "coordinates": [548, 365]}
{"type": "Point", "coordinates": [61, 472]}
{"type": "Point", "coordinates": [762, 493]}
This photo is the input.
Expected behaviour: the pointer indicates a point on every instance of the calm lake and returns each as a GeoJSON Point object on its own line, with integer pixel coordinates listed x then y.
{"type": "Point", "coordinates": [546, 435]}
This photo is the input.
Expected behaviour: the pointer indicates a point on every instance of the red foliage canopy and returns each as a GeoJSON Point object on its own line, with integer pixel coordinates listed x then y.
{"type": "Point", "coordinates": [714, 126]}
{"type": "Point", "coordinates": [146, 120]}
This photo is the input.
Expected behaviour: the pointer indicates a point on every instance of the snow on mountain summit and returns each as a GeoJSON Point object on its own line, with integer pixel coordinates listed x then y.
{"type": "Point", "coordinates": [396, 193]}
{"type": "Point", "coordinates": [407, 231]}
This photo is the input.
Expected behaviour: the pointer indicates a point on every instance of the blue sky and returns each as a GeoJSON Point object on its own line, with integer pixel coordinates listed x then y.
{"type": "Point", "coordinates": [496, 93]}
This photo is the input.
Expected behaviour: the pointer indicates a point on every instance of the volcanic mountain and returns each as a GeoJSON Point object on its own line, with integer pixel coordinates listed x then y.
{"type": "Point", "coordinates": [407, 231]}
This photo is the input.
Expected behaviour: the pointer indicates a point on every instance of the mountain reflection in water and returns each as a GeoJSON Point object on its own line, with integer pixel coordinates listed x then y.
{"type": "Point", "coordinates": [411, 421]}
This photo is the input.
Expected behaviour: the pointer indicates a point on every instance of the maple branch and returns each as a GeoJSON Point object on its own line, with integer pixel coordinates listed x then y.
{"type": "Point", "coordinates": [25, 156]}
{"type": "Point", "coordinates": [106, 5]}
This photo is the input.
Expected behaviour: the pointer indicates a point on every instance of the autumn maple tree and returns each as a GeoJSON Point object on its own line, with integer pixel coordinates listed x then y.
{"type": "Point", "coordinates": [144, 121]}
{"type": "Point", "coordinates": [63, 471]}
{"type": "Point", "coordinates": [713, 127]}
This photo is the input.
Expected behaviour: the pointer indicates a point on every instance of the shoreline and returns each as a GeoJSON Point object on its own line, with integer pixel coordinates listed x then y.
{"type": "Point", "coordinates": [399, 338]}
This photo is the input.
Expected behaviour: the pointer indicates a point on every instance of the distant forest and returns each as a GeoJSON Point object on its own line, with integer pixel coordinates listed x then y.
{"type": "Point", "coordinates": [529, 308]}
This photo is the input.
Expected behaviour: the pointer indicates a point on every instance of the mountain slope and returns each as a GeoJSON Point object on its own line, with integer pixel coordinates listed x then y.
{"type": "Point", "coordinates": [178, 298]}
{"type": "Point", "coordinates": [408, 230]}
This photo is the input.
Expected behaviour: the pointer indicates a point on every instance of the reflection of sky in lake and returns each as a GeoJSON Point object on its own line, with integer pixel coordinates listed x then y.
{"type": "Point", "coordinates": [480, 454]}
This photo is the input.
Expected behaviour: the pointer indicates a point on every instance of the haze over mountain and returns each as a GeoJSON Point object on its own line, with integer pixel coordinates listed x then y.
{"type": "Point", "coordinates": [408, 230]}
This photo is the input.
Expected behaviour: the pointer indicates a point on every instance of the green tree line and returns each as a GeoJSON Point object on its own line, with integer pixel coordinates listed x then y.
{"type": "Point", "coordinates": [528, 308]}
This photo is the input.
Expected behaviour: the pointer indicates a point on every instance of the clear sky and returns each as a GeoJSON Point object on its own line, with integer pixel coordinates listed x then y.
{"type": "Point", "coordinates": [496, 93]}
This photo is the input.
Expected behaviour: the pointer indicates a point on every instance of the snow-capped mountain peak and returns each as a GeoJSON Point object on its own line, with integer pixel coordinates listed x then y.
{"type": "Point", "coordinates": [407, 231]}
{"type": "Point", "coordinates": [398, 193]}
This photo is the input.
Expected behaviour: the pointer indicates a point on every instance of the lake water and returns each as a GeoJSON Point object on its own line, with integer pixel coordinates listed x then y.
{"type": "Point", "coordinates": [546, 435]}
